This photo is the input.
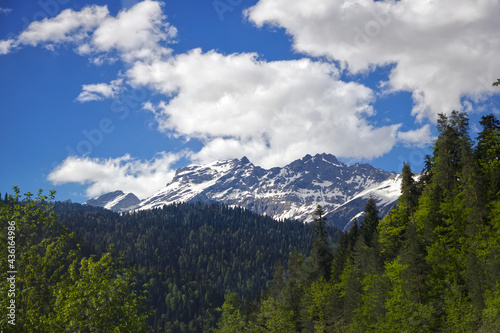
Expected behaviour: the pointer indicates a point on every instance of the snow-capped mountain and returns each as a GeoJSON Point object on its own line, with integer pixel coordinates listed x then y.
{"type": "Point", "coordinates": [292, 192]}
{"type": "Point", "coordinates": [116, 201]}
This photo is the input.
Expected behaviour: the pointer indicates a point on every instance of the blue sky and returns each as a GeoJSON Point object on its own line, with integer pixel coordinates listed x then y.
{"type": "Point", "coordinates": [106, 95]}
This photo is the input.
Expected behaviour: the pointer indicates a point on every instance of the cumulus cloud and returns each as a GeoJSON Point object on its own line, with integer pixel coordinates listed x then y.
{"type": "Point", "coordinates": [238, 104]}
{"type": "Point", "coordinates": [416, 138]}
{"type": "Point", "coordinates": [100, 91]}
{"type": "Point", "coordinates": [6, 46]}
{"type": "Point", "coordinates": [441, 51]}
{"type": "Point", "coordinates": [273, 112]}
{"type": "Point", "coordinates": [137, 33]}
{"type": "Point", "coordinates": [140, 32]}
{"type": "Point", "coordinates": [68, 26]}
{"type": "Point", "coordinates": [128, 174]}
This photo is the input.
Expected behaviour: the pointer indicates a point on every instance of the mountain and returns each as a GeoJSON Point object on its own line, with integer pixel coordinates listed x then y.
{"type": "Point", "coordinates": [116, 201]}
{"type": "Point", "coordinates": [291, 192]}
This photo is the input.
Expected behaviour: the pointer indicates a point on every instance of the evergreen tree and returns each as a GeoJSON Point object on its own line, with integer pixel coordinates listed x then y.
{"type": "Point", "coordinates": [294, 290]}
{"type": "Point", "coordinates": [413, 255]}
{"type": "Point", "coordinates": [447, 160]}
{"type": "Point", "coordinates": [433, 263]}
{"type": "Point", "coordinates": [487, 154]}
{"type": "Point", "coordinates": [392, 228]}
{"type": "Point", "coordinates": [409, 189]}
{"type": "Point", "coordinates": [321, 255]}
{"type": "Point", "coordinates": [370, 222]}
{"type": "Point", "coordinates": [343, 250]}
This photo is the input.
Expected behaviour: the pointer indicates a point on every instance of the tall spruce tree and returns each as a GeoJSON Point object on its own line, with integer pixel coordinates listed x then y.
{"type": "Point", "coordinates": [448, 149]}
{"type": "Point", "coordinates": [321, 255]}
{"type": "Point", "coordinates": [370, 222]}
{"type": "Point", "coordinates": [487, 154]}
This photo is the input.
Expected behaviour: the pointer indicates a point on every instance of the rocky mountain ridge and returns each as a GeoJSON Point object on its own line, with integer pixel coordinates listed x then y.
{"type": "Point", "coordinates": [290, 192]}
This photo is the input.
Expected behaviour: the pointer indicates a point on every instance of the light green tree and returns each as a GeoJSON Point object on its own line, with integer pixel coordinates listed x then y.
{"type": "Point", "coordinates": [57, 289]}
{"type": "Point", "coordinates": [232, 319]}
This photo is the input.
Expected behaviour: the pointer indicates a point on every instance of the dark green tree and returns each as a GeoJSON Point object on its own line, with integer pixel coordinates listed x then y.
{"type": "Point", "coordinates": [370, 222]}
{"type": "Point", "coordinates": [447, 160]}
{"type": "Point", "coordinates": [487, 154]}
{"type": "Point", "coordinates": [321, 254]}
{"type": "Point", "coordinates": [410, 192]}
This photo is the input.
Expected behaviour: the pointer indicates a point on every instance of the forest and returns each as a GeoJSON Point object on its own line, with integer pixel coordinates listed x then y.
{"type": "Point", "coordinates": [175, 264]}
{"type": "Point", "coordinates": [431, 265]}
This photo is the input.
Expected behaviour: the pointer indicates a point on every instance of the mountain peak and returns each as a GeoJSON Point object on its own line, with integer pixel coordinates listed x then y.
{"type": "Point", "coordinates": [244, 160]}
{"type": "Point", "coordinates": [116, 201]}
{"type": "Point", "coordinates": [290, 192]}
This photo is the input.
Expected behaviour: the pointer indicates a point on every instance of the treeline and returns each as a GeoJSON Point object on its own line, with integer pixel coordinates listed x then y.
{"type": "Point", "coordinates": [190, 255]}
{"type": "Point", "coordinates": [431, 265]}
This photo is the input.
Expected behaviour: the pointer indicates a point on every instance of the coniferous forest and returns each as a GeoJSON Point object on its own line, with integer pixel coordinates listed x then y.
{"type": "Point", "coordinates": [175, 263]}
{"type": "Point", "coordinates": [431, 265]}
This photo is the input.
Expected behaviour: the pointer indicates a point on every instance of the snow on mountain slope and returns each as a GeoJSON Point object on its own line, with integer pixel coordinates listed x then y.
{"type": "Point", "coordinates": [291, 192]}
{"type": "Point", "coordinates": [116, 201]}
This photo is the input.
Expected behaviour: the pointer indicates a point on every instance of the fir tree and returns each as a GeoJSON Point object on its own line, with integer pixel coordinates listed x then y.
{"type": "Point", "coordinates": [370, 222]}
{"type": "Point", "coordinates": [321, 255]}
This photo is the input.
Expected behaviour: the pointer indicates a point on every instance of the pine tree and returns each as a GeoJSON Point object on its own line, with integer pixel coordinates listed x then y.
{"type": "Point", "coordinates": [409, 189]}
{"type": "Point", "coordinates": [413, 255]}
{"type": "Point", "coordinates": [294, 290]}
{"type": "Point", "coordinates": [370, 222]}
{"type": "Point", "coordinates": [447, 160]}
{"type": "Point", "coordinates": [392, 228]}
{"type": "Point", "coordinates": [487, 154]}
{"type": "Point", "coordinates": [321, 255]}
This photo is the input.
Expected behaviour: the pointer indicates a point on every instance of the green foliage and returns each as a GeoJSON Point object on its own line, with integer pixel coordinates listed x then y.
{"type": "Point", "coordinates": [57, 288]}
{"type": "Point", "coordinates": [232, 319]}
{"type": "Point", "coordinates": [99, 297]}
{"type": "Point", "coordinates": [273, 316]}
{"type": "Point", "coordinates": [321, 256]}
{"type": "Point", "coordinates": [491, 314]}
{"type": "Point", "coordinates": [320, 303]}
{"type": "Point", "coordinates": [191, 255]}
{"type": "Point", "coordinates": [404, 312]}
{"type": "Point", "coordinates": [433, 263]}
{"type": "Point", "coordinates": [371, 309]}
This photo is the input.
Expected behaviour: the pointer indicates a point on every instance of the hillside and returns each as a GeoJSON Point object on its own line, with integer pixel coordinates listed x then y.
{"type": "Point", "coordinates": [192, 254]}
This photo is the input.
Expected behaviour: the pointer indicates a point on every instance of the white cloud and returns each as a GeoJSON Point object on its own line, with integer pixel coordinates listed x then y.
{"type": "Point", "coordinates": [143, 178]}
{"type": "Point", "coordinates": [6, 46]}
{"type": "Point", "coordinates": [100, 91]}
{"type": "Point", "coordinates": [416, 138]}
{"type": "Point", "coordinates": [442, 50]}
{"type": "Point", "coordinates": [68, 26]}
{"type": "Point", "coordinates": [135, 33]}
{"type": "Point", "coordinates": [273, 112]}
